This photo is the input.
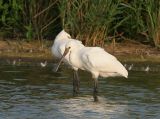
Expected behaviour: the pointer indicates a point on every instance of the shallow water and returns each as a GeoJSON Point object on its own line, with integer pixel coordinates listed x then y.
{"type": "Point", "coordinates": [34, 92]}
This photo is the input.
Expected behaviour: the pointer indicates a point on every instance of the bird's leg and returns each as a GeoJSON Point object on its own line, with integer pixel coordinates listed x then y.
{"type": "Point", "coordinates": [95, 90]}
{"type": "Point", "coordinates": [75, 82]}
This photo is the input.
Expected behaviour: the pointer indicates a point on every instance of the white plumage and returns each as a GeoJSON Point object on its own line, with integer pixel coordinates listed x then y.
{"type": "Point", "coordinates": [59, 44]}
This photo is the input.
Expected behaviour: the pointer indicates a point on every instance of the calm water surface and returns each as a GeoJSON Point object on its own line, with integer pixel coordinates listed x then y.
{"type": "Point", "coordinates": [34, 92]}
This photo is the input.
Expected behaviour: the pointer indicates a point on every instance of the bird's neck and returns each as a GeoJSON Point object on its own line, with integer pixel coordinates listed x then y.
{"type": "Point", "coordinates": [74, 58]}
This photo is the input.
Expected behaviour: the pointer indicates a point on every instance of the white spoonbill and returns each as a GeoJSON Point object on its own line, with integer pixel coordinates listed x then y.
{"type": "Point", "coordinates": [59, 44]}
{"type": "Point", "coordinates": [58, 49]}
{"type": "Point", "coordinates": [95, 60]}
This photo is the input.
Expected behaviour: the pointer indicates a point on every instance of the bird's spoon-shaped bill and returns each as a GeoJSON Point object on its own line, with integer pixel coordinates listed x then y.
{"type": "Point", "coordinates": [61, 59]}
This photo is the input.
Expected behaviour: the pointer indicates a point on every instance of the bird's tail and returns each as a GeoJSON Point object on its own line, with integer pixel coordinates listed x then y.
{"type": "Point", "coordinates": [124, 72]}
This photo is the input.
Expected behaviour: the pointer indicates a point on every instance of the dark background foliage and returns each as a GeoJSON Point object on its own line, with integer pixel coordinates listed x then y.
{"type": "Point", "coordinates": [92, 21]}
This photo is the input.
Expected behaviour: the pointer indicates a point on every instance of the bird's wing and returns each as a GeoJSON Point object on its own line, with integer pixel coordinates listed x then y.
{"type": "Point", "coordinates": [98, 59]}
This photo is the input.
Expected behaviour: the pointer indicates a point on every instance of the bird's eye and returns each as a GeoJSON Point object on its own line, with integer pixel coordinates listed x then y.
{"type": "Point", "coordinates": [69, 47]}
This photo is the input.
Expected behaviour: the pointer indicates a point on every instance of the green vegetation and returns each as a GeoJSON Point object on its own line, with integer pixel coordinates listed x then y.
{"type": "Point", "coordinates": [92, 21]}
{"type": "Point", "coordinates": [29, 19]}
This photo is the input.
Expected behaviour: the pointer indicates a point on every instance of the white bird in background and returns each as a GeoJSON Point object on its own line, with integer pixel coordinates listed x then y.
{"type": "Point", "coordinates": [43, 64]}
{"type": "Point", "coordinates": [14, 62]}
{"type": "Point", "coordinates": [130, 67]}
{"type": "Point", "coordinates": [58, 49]}
{"type": "Point", "coordinates": [94, 60]}
{"type": "Point", "coordinates": [147, 69]}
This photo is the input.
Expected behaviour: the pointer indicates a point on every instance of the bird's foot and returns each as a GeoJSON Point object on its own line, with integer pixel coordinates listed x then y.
{"type": "Point", "coordinates": [95, 98]}
{"type": "Point", "coordinates": [75, 92]}
{"type": "Point", "coordinates": [75, 87]}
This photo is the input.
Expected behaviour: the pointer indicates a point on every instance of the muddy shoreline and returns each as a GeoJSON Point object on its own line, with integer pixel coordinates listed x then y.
{"type": "Point", "coordinates": [34, 51]}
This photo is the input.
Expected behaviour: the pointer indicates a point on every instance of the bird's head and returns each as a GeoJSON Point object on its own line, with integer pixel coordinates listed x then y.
{"type": "Point", "coordinates": [63, 35]}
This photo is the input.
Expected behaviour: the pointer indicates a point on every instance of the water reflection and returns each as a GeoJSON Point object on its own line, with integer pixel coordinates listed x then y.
{"type": "Point", "coordinates": [83, 107]}
{"type": "Point", "coordinates": [32, 91]}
